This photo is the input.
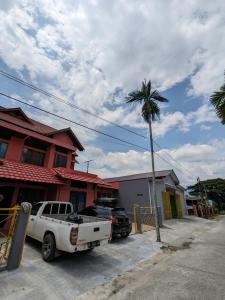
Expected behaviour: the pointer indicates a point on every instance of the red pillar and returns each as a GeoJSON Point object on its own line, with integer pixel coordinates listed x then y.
{"type": "Point", "coordinates": [15, 149]}
{"type": "Point", "coordinates": [49, 157]}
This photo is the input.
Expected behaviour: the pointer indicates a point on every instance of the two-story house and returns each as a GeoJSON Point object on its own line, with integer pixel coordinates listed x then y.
{"type": "Point", "coordinates": [37, 163]}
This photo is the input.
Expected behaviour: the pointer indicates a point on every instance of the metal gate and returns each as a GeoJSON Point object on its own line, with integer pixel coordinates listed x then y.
{"type": "Point", "coordinates": [144, 218]}
{"type": "Point", "coordinates": [8, 217]}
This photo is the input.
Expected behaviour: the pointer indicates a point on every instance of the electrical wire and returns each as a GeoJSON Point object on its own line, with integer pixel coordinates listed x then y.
{"type": "Point", "coordinates": [37, 89]}
{"type": "Point", "coordinates": [71, 121]}
{"type": "Point", "coordinates": [91, 129]}
{"type": "Point", "coordinates": [181, 165]}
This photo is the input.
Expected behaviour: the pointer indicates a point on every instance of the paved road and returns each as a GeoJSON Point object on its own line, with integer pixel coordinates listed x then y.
{"type": "Point", "coordinates": [72, 275]}
{"type": "Point", "coordinates": [194, 273]}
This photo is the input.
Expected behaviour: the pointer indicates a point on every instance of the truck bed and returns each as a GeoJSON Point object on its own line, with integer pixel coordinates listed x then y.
{"type": "Point", "coordinates": [86, 219]}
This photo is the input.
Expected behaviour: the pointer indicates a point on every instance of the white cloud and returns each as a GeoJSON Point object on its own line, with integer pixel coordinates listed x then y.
{"type": "Point", "coordinates": [183, 122]}
{"type": "Point", "coordinates": [205, 127]}
{"type": "Point", "coordinates": [84, 50]}
{"type": "Point", "coordinates": [191, 161]}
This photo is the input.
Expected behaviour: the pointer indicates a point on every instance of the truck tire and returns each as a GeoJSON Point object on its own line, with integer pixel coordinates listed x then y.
{"type": "Point", "coordinates": [124, 234]}
{"type": "Point", "coordinates": [48, 247]}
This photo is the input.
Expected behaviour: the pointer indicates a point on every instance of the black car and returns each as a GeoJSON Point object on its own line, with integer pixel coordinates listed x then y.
{"type": "Point", "coordinates": [120, 222]}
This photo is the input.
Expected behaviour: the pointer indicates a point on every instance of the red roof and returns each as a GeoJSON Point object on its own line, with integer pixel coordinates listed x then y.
{"type": "Point", "coordinates": [35, 135]}
{"type": "Point", "coordinates": [81, 176]}
{"type": "Point", "coordinates": [26, 172]}
{"type": "Point", "coordinates": [5, 114]}
{"type": "Point", "coordinates": [17, 117]}
{"type": "Point", "coordinates": [32, 173]}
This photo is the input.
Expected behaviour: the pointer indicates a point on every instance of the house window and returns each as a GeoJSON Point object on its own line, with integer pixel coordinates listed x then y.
{"type": "Point", "coordinates": [60, 160]}
{"type": "Point", "coordinates": [3, 149]}
{"type": "Point", "coordinates": [34, 157]}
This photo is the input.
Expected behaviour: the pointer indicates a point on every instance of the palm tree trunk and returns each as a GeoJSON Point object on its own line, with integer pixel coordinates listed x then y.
{"type": "Point", "coordinates": [158, 239]}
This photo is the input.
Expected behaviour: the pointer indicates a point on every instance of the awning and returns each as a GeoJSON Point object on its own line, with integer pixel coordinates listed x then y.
{"type": "Point", "coordinates": [81, 176]}
{"type": "Point", "coordinates": [27, 172]}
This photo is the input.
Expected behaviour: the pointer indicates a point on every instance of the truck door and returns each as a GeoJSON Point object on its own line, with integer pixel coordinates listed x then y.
{"type": "Point", "coordinates": [33, 219]}
{"type": "Point", "coordinates": [41, 224]}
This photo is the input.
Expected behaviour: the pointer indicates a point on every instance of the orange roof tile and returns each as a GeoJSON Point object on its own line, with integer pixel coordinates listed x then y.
{"type": "Point", "coordinates": [27, 172]}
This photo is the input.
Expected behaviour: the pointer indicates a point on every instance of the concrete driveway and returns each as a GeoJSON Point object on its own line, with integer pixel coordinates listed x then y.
{"type": "Point", "coordinates": [72, 275]}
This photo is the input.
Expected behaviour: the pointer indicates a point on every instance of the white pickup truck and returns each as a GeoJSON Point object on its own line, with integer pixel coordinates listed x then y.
{"type": "Point", "coordinates": [54, 224]}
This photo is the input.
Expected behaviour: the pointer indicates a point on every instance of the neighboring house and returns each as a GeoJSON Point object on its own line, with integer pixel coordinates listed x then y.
{"type": "Point", "coordinates": [134, 189]}
{"type": "Point", "coordinates": [37, 163]}
{"type": "Point", "coordinates": [190, 201]}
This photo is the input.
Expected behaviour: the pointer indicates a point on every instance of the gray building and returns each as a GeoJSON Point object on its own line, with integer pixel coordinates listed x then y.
{"type": "Point", "coordinates": [135, 189]}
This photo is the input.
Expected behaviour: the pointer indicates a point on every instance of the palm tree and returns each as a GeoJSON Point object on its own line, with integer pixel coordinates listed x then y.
{"type": "Point", "coordinates": [218, 101]}
{"type": "Point", "coordinates": [150, 112]}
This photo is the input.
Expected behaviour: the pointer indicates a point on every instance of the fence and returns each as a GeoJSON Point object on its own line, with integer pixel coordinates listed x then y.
{"type": "Point", "coordinates": [144, 218]}
{"type": "Point", "coordinates": [8, 217]}
{"type": "Point", "coordinates": [13, 227]}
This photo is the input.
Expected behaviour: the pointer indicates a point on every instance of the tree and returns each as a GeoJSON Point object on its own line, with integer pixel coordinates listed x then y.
{"type": "Point", "coordinates": [150, 112]}
{"type": "Point", "coordinates": [214, 188]}
{"type": "Point", "coordinates": [218, 101]}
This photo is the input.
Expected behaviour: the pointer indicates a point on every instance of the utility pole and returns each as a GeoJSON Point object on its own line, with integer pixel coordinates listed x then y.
{"type": "Point", "coordinates": [158, 238]}
{"type": "Point", "coordinates": [88, 162]}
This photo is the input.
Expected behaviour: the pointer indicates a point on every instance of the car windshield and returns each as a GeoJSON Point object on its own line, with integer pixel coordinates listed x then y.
{"type": "Point", "coordinates": [35, 208]}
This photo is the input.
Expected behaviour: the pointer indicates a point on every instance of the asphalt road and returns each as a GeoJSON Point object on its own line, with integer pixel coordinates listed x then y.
{"type": "Point", "coordinates": [125, 268]}
{"type": "Point", "coordinates": [195, 271]}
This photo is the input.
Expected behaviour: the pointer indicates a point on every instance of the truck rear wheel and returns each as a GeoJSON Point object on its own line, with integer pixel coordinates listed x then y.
{"type": "Point", "coordinates": [124, 234]}
{"type": "Point", "coordinates": [48, 247]}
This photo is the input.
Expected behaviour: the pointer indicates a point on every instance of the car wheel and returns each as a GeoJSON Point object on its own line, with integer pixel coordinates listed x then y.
{"type": "Point", "coordinates": [48, 247]}
{"type": "Point", "coordinates": [124, 234]}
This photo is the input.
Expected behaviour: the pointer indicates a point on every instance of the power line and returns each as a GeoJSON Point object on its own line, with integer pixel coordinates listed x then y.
{"type": "Point", "coordinates": [76, 123]}
{"type": "Point", "coordinates": [33, 87]}
{"type": "Point", "coordinates": [86, 127]}
{"type": "Point", "coordinates": [169, 163]}
{"type": "Point", "coordinates": [37, 89]}
{"type": "Point", "coordinates": [181, 165]}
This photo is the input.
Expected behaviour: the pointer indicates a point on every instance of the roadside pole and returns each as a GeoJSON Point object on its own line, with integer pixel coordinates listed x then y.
{"type": "Point", "coordinates": [158, 238]}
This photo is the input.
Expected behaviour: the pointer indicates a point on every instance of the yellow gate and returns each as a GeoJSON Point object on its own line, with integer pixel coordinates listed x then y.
{"type": "Point", "coordinates": [179, 207]}
{"type": "Point", "coordinates": [167, 206]}
{"type": "Point", "coordinates": [8, 217]}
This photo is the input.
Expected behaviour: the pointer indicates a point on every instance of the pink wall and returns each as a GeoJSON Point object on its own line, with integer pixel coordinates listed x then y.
{"type": "Point", "coordinates": [91, 194]}
{"type": "Point", "coordinates": [63, 137]}
{"type": "Point", "coordinates": [16, 145]}
{"type": "Point", "coordinates": [15, 148]}
{"type": "Point", "coordinates": [63, 193]}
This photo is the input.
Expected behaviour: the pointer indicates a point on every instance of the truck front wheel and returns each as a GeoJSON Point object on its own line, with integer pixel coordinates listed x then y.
{"type": "Point", "coordinates": [48, 247]}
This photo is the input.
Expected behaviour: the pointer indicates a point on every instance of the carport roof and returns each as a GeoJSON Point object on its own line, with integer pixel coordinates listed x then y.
{"type": "Point", "coordinates": [81, 176]}
{"type": "Point", "coordinates": [32, 173]}
{"type": "Point", "coordinates": [158, 174]}
{"type": "Point", "coordinates": [27, 172]}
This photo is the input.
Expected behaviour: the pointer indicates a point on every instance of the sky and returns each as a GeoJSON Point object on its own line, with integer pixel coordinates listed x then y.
{"type": "Point", "coordinates": [93, 53]}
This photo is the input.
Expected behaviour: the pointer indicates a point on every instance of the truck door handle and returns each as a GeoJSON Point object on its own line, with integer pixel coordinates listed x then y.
{"type": "Point", "coordinates": [32, 219]}
{"type": "Point", "coordinates": [96, 229]}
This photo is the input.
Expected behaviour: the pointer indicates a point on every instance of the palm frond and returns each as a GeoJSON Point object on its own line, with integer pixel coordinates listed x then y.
{"type": "Point", "coordinates": [150, 108]}
{"type": "Point", "coordinates": [149, 87]}
{"type": "Point", "coordinates": [218, 101]}
{"type": "Point", "coordinates": [156, 96]}
{"type": "Point", "coordinates": [135, 96]}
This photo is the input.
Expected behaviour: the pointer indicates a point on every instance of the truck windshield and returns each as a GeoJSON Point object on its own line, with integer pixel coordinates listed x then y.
{"type": "Point", "coordinates": [35, 208]}
{"type": "Point", "coordinates": [118, 212]}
